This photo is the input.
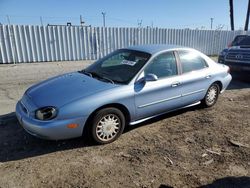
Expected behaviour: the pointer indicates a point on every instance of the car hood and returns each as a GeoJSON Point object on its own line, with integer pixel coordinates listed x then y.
{"type": "Point", "coordinates": [63, 89]}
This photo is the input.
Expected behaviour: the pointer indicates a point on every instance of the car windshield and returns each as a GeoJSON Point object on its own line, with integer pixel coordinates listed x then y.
{"type": "Point", "coordinates": [118, 67]}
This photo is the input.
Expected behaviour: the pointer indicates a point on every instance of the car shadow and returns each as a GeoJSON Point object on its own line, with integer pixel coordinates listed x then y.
{"type": "Point", "coordinates": [16, 143]}
{"type": "Point", "coordinates": [227, 182]}
{"type": "Point", "coordinates": [163, 116]}
{"type": "Point", "coordinates": [238, 84]}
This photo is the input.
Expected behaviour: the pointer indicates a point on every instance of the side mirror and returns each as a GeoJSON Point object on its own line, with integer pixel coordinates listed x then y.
{"type": "Point", "coordinates": [150, 78]}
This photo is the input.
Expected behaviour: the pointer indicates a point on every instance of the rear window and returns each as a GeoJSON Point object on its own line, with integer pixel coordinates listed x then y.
{"type": "Point", "coordinates": [245, 41]}
{"type": "Point", "coordinates": [238, 39]}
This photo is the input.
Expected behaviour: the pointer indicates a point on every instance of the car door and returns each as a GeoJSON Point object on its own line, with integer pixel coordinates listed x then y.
{"type": "Point", "coordinates": [195, 76]}
{"type": "Point", "coordinates": [161, 95]}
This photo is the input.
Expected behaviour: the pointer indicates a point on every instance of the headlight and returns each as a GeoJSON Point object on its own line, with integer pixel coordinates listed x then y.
{"type": "Point", "coordinates": [223, 53]}
{"type": "Point", "coordinates": [46, 113]}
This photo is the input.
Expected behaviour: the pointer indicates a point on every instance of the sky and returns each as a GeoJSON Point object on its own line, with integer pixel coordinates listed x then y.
{"type": "Point", "coordinates": [127, 13]}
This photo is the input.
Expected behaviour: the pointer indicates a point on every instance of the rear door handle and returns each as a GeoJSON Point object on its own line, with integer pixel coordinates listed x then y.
{"type": "Point", "coordinates": [175, 84]}
{"type": "Point", "coordinates": [208, 76]}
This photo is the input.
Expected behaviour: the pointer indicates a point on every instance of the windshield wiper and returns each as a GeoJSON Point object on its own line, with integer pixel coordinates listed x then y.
{"type": "Point", "coordinates": [86, 72]}
{"type": "Point", "coordinates": [94, 74]}
{"type": "Point", "coordinates": [108, 80]}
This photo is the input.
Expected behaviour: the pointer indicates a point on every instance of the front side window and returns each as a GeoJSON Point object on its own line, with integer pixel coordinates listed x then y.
{"type": "Point", "coordinates": [120, 66]}
{"type": "Point", "coordinates": [191, 61]}
{"type": "Point", "coordinates": [163, 65]}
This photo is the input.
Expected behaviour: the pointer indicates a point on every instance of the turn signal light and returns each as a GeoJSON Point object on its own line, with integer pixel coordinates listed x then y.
{"type": "Point", "coordinates": [72, 126]}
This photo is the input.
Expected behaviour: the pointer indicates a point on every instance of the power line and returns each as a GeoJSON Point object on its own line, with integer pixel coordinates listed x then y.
{"type": "Point", "coordinates": [122, 20]}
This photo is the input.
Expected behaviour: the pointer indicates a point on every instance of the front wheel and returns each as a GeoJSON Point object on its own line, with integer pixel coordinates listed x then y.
{"type": "Point", "coordinates": [211, 96]}
{"type": "Point", "coordinates": [107, 125]}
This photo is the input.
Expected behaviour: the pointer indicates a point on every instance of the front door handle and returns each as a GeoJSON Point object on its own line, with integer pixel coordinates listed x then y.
{"type": "Point", "coordinates": [175, 84]}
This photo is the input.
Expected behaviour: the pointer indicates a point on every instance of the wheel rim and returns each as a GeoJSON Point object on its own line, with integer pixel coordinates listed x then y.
{"type": "Point", "coordinates": [108, 127]}
{"type": "Point", "coordinates": [212, 95]}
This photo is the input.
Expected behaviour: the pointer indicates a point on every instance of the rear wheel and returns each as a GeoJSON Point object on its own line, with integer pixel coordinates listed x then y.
{"type": "Point", "coordinates": [212, 95]}
{"type": "Point", "coordinates": [107, 125]}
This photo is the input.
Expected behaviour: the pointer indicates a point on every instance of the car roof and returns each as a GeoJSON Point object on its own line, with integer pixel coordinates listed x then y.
{"type": "Point", "coordinates": [241, 35]}
{"type": "Point", "coordinates": [155, 48]}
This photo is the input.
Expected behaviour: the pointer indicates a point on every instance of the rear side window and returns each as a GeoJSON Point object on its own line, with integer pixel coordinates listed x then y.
{"type": "Point", "coordinates": [191, 61]}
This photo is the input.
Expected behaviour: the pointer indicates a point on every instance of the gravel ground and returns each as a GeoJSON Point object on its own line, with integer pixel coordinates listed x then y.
{"type": "Point", "coordinates": [194, 147]}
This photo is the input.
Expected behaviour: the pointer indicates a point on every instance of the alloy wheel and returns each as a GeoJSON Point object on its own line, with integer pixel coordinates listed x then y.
{"type": "Point", "coordinates": [108, 127]}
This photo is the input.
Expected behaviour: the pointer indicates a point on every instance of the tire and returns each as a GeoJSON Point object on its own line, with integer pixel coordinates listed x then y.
{"type": "Point", "coordinates": [211, 96]}
{"type": "Point", "coordinates": [107, 125]}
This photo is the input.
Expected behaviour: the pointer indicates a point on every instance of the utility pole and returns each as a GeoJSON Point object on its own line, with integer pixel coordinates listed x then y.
{"type": "Point", "coordinates": [247, 17]}
{"type": "Point", "coordinates": [211, 20]}
{"type": "Point", "coordinates": [41, 20]}
{"type": "Point", "coordinates": [104, 18]}
{"type": "Point", "coordinates": [8, 19]}
{"type": "Point", "coordinates": [231, 9]}
{"type": "Point", "coordinates": [139, 23]}
{"type": "Point", "coordinates": [81, 21]}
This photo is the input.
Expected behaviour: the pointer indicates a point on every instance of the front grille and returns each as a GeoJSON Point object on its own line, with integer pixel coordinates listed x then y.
{"type": "Point", "coordinates": [28, 106]}
{"type": "Point", "coordinates": [238, 56]}
{"type": "Point", "coordinates": [25, 110]}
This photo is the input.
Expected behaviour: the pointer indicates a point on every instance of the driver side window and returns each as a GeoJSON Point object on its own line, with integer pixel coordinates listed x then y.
{"type": "Point", "coordinates": [163, 65]}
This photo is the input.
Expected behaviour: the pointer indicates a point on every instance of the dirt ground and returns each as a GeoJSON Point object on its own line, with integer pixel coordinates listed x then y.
{"type": "Point", "coordinates": [194, 147]}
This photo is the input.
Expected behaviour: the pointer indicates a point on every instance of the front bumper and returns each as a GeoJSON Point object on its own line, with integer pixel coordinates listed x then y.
{"type": "Point", "coordinates": [238, 66]}
{"type": "Point", "coordinates": [51, 130]}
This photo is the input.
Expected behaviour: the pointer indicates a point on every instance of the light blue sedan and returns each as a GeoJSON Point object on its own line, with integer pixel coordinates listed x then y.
{"type": "Point", "coordinates": [124, 88]}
